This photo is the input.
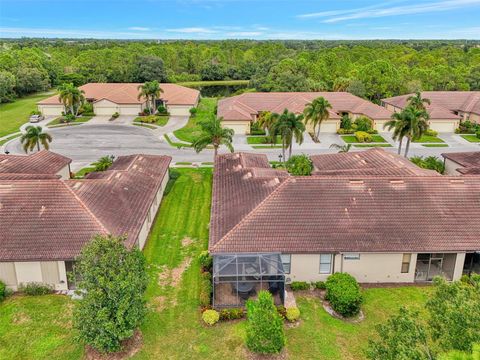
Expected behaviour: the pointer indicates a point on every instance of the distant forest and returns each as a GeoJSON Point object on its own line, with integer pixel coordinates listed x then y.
{"type": "Point", "coordinates": [370, 69]}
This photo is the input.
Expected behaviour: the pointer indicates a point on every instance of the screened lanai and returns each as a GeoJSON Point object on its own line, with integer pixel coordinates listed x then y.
{"type": "Point", "coordinates": [239, 277]}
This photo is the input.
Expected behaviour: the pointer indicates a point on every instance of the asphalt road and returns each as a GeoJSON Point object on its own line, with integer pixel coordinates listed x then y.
{"type": "Point", "coordinates": [86, 143]}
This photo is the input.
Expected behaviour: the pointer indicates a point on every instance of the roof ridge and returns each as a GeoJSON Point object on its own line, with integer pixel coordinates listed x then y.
{"type": "Point", "coordinates": [246, 217]}
{"type": "Point", "coordinates": [86, 207]}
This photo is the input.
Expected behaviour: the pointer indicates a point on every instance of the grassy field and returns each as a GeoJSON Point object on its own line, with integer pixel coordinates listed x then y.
{"type": "Point", "coordinates": [351, 139]}
{"type": "Point", "coordinates": [192, 130]}
{"type": "Point", "coordinates": [429, 139]}
{"type": "Point", "coordinates": [15, 114]}
{"type": "Point", "coordinates": [81, 119]}
{"type": "Point", "coordinates": [196, 84]}
{"type": "Point", "coordinates": [40, 327]}
{"type": "Point", "coordinates": [471, 138]}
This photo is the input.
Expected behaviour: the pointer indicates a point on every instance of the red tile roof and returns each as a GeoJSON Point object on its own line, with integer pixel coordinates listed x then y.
{"type": "Point", "coordinates": [51, 219]}
{"type": "Point", "coordinates": [469, 161]}
{"type": "Point", "coordinates": [398, 213]}
{"type": "Point", "coordinates": [42, 162]}
{"type": "Point", "coordinates": [127, 93]}
{"type": "Point", "coordinates": [245, 106]}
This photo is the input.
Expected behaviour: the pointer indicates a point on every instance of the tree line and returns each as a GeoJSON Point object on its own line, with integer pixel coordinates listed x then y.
{"type": "Point", "coordinates": [370, 69]}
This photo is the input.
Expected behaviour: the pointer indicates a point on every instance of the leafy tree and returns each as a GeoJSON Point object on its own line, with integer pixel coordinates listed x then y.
{"type": "Point", "coordinates": [213, 133]}
{"type": "Point", "coordinates": [417, 102]}
{"type": "Point", "coordinates": [317, 112]}
{"type": "Point", "coordinates": [73, 78]}
{"type": "Point", "coordinates": [266, 121]}
{"type": "Point", "coordinates": [7, 86]}
{"type": "Point", "coordinates": [30, 79]}
{"type": "Point", "coordinates": [33, 137]}
{"type": "Point", "coordinates": [300, 165]}
{"type": "Point", "coordinates": [112, 282]}
{"type": "Point", "coordinates": [357, 88]}
{"type": "Point", "coordinates": [289, 126]}
{"type": "Point", "coordinates": [148, 68]}
{"type": "Point", "coordinates": [265, 334]}
{"type": "Point", "coordinates": [402, 337]}
{"type": "Point", "coordinates": [399, 124]}
{"type": "Point", "coordinates": [151, 91]}
{"type": "Point", "coordinates": [71, 97]}
{"type": "Point", "coordinates": [211, 72]}
{"type": "Point", "coordinates": [103, 163]}
{"type": "Point", "coordinates": [381, 79]}
{"type": "Point", "coordinates": [430, 162]}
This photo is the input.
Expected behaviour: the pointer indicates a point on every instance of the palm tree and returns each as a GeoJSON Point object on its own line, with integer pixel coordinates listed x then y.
{"type": "Point", "coordinates": [214, 134]}
{"type": "Point", "coordinates": [316, 112]}
{"type": "Point", "coordinates": [103, 163]}
{"type": "Point", "coordinates": [34, 136]}
{"type": "Point", "coordinates": [341, 148]}
{"type": "Point", "coordinates": [267, 122]}
{"type": "Point", "coordinates": [151, 91]}
{"type": "Point", "coordinates": [71, 97]}
{"type": "Point", "coordinates": [417, 124]}
{"type": "Point", "coordinates": [399, 124]}
{"type": "Point", "coordinates": [289, 126]}
{"type": "Point", "coordinates": [416, 101]}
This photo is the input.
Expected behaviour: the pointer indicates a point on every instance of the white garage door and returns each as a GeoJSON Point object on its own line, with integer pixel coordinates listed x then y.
{"type": "Point", "coordinates": [329, 127]}
{"type": "Point", "coordinates": [129, 109]}
{"type": "Point", "coordinates": [443, 126]}
{"type": "Point", "coordinates": [240, 129]}
{"type": "Point", "coordinates": [106, 111]}
{"type": "Point", "coordinates": [379, 126]}
{"type": "Point", "coordinates": [179, 110]}
{"type": "Point", "coordinates": [49, 110]}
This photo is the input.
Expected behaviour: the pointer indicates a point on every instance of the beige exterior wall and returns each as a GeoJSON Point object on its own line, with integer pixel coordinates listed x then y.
{"type": "Point", "coordinates": [179, 110]}
{"type": "Point", "coordinates": [378, 125]}
{"type": "Point", "coordinates": [48, 110]}
{"type": "Point", "coordinates": [451, 167]}
{"type": "Point", "coordinates": [48, 272]}
{"type": "Point", "coordinates": [474, 117]}
{"type": "Point", "coordinates": [241, 127]}
{"type": "Point", "coordinates": [445, 125]}
{"type": "Point", "coordinates": [108, 108]}
{"type": "Point", "coordinates": [64, 173]}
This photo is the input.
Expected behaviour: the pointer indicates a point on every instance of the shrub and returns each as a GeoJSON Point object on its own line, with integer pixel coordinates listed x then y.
{"type": "Point", "coordinates": [265, 333]}
{"type": "Point", "coordinates": [34, 288]}
{"type": "Point", "coordinates": [35, 112]}
{"type": "Point", "coordinates": [205, 296]}
{"type": "Point", "coordinates": [67, 118]}
{"type": "Point", "coordinates": [300, 165]}
{"type": "Point", "coordinates": [346, 122]}
{"type": "Point", "coordinates": [293, 314]}
{"type": "Point", "coordinates": [478, 134]}
{"type": "Point", "coordinates": [430, 162]}
{"type": "Point", "coordinates": [299, 285]}
{"type": "Point", "coordinates": [372, 131]}
{"type": "Point", "coordinates": [206, 260]}
{"type": "Point", "coordinates": [163, 110]}
{"type": "Point", "coordinates": [115, 115]}
{"type": "Point", "coordinates": [363, 123]}
{"type": "Point", "coordinates": [103, 163]}
{"type": "Point", "coordinates": [430, 132]}
{"type": "Point", "coordinates": [320, 285]}
{"type": "Point", "coordinates": [86, 108]}
{"type": "Point", "coordinates": [193, 112]}
{"type": "Point", "coordinates": [3, 291]}
{"type": "Point", "coordinates": [282, 311]}
{"type": "Point", "coordinates": [210, 317]}
{"type": "Point", "coordinates": [345, 131]}
{"type": "Point", "coordinates": [232, 314]}
{"type": "Point", "coordinates": [343, 293]}
{"type": "Point", "coordinates": [363, 136]}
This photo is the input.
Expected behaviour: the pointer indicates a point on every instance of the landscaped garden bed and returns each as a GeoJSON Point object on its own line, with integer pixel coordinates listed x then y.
{"type": "Point", "coordinates": [159, 120]}
{"type": "Point", "coordinates": [352, 139]}
{"type": "Point", "coordinates": [471, 138]}
{"type": "Point", "coordinates": [61, 120]}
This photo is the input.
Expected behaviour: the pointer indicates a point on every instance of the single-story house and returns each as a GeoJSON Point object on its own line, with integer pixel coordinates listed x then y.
{"type": "Point", "coordinates": [372, 214]}
{"type": "Point", "coordinates": [46, 220]}
{"type": "Point", "coordinates": [462, 163]}
{"type": "Point", "coordinates": [239, 112]}
{"type": "Point", "coordinates": [447, 108]}
{"type": "Point", "coordinates": [109, 98]}
{"type": "Point", "coordinates": [40, 163]}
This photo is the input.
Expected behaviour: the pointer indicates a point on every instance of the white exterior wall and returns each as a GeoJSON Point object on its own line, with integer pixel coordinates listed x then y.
{"type": "Point", "coordinates": [130, 109]}
{"type": "Point", "coordinates": [460, 261]}
{"type": "Point", "coordinates": [31, 271]}
{"type": "Point", "coordinates": [446, 126]}
{"type": "Point", "coordinates": [108, 108]}
{"type": "Point", "coordinates": [179, 110]}
{"type": "Point", "coordinates": [48, 110]}
{"type": "Point", "coordinates": [241, 127]}
{"type": "Point", "coordinates": [451, 167]}
{"type": "Point", "coordinates": [64, 173]}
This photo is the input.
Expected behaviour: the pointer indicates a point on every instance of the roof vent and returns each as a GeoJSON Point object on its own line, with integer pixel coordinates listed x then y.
{"type": "Point", "coordinates": [457, 181]}
{"type": "Point", "coordinates": [396, 182]}
{"type": "Point", "coordinates": [356, 182]}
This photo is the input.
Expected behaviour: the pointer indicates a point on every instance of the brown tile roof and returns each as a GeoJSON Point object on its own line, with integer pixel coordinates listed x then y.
{"type": "Point", "coordinates": [51, 219]}
{"type": "Point", "coordinates": [443, 103]}
{"type": "Point", "coordinates": [42, 162]}
{"type": "Point", "coordinates": [315, 214]}
{"type": "Point", "coordinates": [469, 161]}
{"type": "Point", "coordinates": [245, 106]}
{"type": "Point", "coordinates": [127, 93]}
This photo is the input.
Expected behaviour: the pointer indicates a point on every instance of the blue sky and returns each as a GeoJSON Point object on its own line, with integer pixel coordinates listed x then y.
{"type": "Point", "coordinates": [244, 19]}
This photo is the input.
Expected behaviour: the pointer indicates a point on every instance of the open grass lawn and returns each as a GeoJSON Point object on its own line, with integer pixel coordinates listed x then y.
{"type": "Point", "coordinates": [471, 138]}
{"type": "Point", "coordinates": [161, 120]}
{"type": "Point", "coordinates": [351, 139]}
{"type": "Point", "coordinates": [192, 130]}
{"type": "Point", "coordinates": [256, 140]}
{"type": "Point", "coordinates": [39, 327]}
{"type": "Point", "coordinates": [429, 139]}
{"type": "Point", "coordinates": [81, 119]}
{"type": "Point", "coordinates": [15, 114]}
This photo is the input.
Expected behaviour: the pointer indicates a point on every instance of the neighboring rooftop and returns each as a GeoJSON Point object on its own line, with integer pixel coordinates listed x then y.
{"type": "Point", "coordinates": [51, 219]}
{"type": "Point", "coordinates": [43, 162]}
{"type": "Point", "coordinates": [443, 104]}
{"type": "Point", "coordinates": [411, 212]}
{"type": "Point", "coordinates": [247, 105]}
{"type": "Point", "coordinates": [127, 93]}
{"type": "Point", "coordinates": [469, 161]}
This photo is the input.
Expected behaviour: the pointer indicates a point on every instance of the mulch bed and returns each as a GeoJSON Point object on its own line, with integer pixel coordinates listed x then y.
{"type": "Point", "coordinates": [359, 318]}
{"type": "Point", "coordinates": [283, 355]}
{"type": "Point", "coordinates": [129, 348]}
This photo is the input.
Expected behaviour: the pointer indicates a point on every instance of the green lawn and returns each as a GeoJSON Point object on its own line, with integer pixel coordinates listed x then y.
{"type": "Point", "coordinates": [161, 120]}
{"type": "Point", "coordinates": [351, 139]}
{"type": "Point", "coordinates": [81, 119]}
{"type": "Point", "coordinates": [253, 140]}
{"type": "Point", "coordinates": [471, 138]}
{"type": "Point", "coordinates": [39, 327]}
{"type": "Point", "coordinates": [435, 145]}
{"type": "Point", "coordinates": [371, 145]}
{"type": "Point", "coordinates": [4, 141]}
{"type": "Point", "coordinates": [84, 171]}
{"type": "Point", "coordinates": [192, 130]}
{"type": "Point", "coordinates": [15, 114]}
{"type": "Point", "coordinates": [429, 139]}
{"type": "Point", "coordinates": [175, 144]}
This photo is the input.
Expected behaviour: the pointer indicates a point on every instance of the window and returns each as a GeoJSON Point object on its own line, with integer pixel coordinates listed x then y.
{"type": "Point", "coordinates": [325, 263]}
{"type": "Point", "coordinates": [406, 263]}
{"type": "Point", "coordinates": [286, 262]}
{"type": "Point", "coordinates": [352, 256]}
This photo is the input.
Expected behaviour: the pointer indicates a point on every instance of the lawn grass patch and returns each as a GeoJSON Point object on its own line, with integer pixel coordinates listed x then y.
{"type": "Point", "coordinates": [80, 174]}
{"type": "Point", "coordinates": [160, 120]}
{"type": "Point", "coordinates": [4, 141]}
{"type": "Point", "coordinates": [254, 140]}
{"type": "Point", "coordinates": [191, 131]}
{"type": "Point", "coordinates": [15, 114]}
{"type": "Point", "coordinates": [435, 145]}
{"type": "Point", "coordinates": [183, 163]}
{"type": "Point", "coordinates": [471, 138]}
{"type": "Point", "coordinates": [429, 139]}
{"type": "Point", "coordinates": [371, 145]}
{"type": "Point", "coordinates": [78, 120]}
{"type": "Point", "coordinates": [175, 144]}
{"type": "Point", "coordinates": [352, 139]}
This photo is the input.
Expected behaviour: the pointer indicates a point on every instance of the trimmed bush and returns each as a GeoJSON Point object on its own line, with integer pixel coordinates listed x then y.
{"type": "Point", "coordinates": [163, 110]}
{"type": "Point", "coordinates": [115, 115]}
{"type": "Point", "coordinates": [3, 291]}
{"type": "Point", "coordinates": [293, 314]}
{"type": "Point", "coordinates": [478, 134]}
{"type": "Point", "coordinates": [206, 260]}
{"type": "Point", "coordinates": [363, 123]}
{"type": "Point", "coordinates": [34, 288]}
{"type": "Point", "coordinates": [193, 112]}
{"type": "Point", "coordinates": [363, 136]}
{"type": "Point", "coordinates": [299, 285]}
{"type": "Point", "coordinates": [300, 165]}
{"type": "Point", "coordinates": [210, 317]}
{"type": "Point", "coordinates": [320, 285]}
{"type": "Point", "coordinates": [343, 293]}
{"type": "Point", "coordinates": [430, 132]}
{"type": "Point", "coordinates": [205, 290]}
{"type": "Point", "coordinates": [282, 311]}
{"type": "Point", "coordinates": [265, 333]}
{"type": "Point", "coordinates": [232, 314]}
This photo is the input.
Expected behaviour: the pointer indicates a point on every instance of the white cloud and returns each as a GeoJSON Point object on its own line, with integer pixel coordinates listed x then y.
{"type": "Point", "coordinates": [346, 11]}
{"type": "Point", "coordinates": [193, 30]}
{"type": "Point", "coordinates": [139, 28]}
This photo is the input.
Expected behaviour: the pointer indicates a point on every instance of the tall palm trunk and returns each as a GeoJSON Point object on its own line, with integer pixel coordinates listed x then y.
{"type": "Point", "coordinates": [407, 147]}
{"type": "Point", "coordinates": [284, 145]}
{"type": "Point", "coordinates": [400, 145]}
{"type": "Point", "coordinates": [318, 133]}
{"type": "Point", "coordinates": [215, 151]}
{"type": "Point", "coordinates": [38, 145]}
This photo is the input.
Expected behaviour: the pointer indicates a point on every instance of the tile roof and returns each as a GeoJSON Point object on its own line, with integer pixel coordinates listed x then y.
{"type": "Point", "coordinates": [411, 212]}
{"type": "Point", "coordinates": [443, 103]}
{"type": "Point", "coordinates": [127, 93]}
{"type": "Point", "coordinates": [42, 162]}
{"type": "Point", "coordinates": [469, 161]}
{"type": "Point", "coordinates": [245, 106]}
{"type": "Point", "coordinates": [51, 219]}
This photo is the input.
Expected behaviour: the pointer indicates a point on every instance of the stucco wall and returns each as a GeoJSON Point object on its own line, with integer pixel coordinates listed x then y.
{"type": "Point", "coordinates": [48, 110]}
{"type": "Point", "coordinates": [179, 110]}
{"type": "Point", "coordinates": [64, 173]}
{"type": "Point", "coordinates": [34, 271]}
{"type": "Point", "coordinates": [474, 117]}
{"type": "Point", "coordinates": [240, 127]}
{"type": "Point", "coordinates": [451, 167]}
{"type": "Point", "coordinates": [378, 125]}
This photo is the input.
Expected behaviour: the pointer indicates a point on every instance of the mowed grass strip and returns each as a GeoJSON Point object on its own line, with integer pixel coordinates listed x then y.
{"type": "Point", "coordinates": [471, 138]}
{"type": "Point", "coordinates": [191, 131]}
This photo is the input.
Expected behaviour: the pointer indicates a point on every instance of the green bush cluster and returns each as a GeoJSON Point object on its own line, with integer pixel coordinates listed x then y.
{"type": "Point", "coordinates": [162, 110]}
{"type": "Point", "coordinates": [3, 291]}
{"type": "Point", "coordinates": [210, 317]}
{"type": "Point", "coordinates": [300, 165]}
{"type": "Point", "coordinates": [34, 288]}
{"type": "Point", "coordinates": [205, 289]}
{"type": "Point", "coordinates": [362, 123]}
{"type": "Point", "coordinates": [293, 314]}
{"type": "Point", "coordinates": [149, 119]}
{"type": "Point", "coordinates": [430, 132]}
{"type": "Point", "coordinates": [115, 115]}
{"type": "Point", "coordinates": [363, 136]}
{"type": "Point", "coordinates": [193, 111]}
{"type": "Point", "coordinates": [429, 162]}
{"type": "Point", "coordinates": [299, 285]}
{"type": "Point", "coordinates": [205, 260]}
{"type": "Point", "coordinates": [255, 129]}
{"type": "Point", "coordinates": [343, 293]}
{"type": "Point", "coordinates": [467, 127]}
{"type": "Point", "coordinates": [320, 285]}
{"type": "Point", "coordinates": [232, 314]}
